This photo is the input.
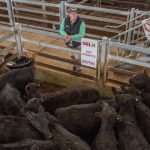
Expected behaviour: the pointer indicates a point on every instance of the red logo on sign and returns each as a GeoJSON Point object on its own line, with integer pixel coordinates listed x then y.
{"type": "Point", "coordinates": [89, 44]}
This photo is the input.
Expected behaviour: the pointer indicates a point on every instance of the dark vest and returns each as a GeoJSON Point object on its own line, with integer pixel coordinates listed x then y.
{"type": "Point", "coordinates": [72, 29]}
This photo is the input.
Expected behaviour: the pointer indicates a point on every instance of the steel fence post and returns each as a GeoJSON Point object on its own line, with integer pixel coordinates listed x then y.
{"type": "Point", "coordinates": [131, 25]}
{"type": "Point", "coordinates": [19, 40]}
{"type": "Point", "coordinates": [106, 60]}
{"type": "Point", "coordinates": [62, 10]}
{"type": "Point", "coordinates": [98, 72]}
{"type": "Point", "coordinates": [10, 13]}
{"type": "Point", "coordinates": [103, 57]}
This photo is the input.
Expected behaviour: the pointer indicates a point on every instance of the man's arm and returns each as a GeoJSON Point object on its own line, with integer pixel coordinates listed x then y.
{"type": "Point", "coordinates": [80, 34]}
{"type": "Point", "coordinates": [61, 29]}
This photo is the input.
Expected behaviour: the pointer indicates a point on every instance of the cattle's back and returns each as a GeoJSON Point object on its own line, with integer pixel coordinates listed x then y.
{"type": "Point", "coordinates": [14, 129]}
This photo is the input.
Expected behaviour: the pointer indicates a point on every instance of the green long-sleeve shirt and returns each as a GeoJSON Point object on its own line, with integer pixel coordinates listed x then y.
{"type": "Point", "coordinates": [75, 36]}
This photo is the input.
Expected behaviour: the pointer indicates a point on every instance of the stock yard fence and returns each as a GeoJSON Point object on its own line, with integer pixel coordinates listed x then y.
{"type": "Point", "coordinates": [24, 16]}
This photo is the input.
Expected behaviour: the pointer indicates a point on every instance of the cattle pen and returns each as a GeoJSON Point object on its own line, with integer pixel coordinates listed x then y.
{"type": "Point", "coordinates": [31, 27]}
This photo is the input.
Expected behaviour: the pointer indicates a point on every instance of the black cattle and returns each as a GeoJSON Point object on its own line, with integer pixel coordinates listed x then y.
{"type": "Point", "coordinates": [131, 90]}
{"type": "Point", "coordinates": [141, 81]}
{"type": "Point", "coordinates": [106, 139]}
{"type": "Point", "coordinates": [30, 144]}
{"type": "Point", "coordinates": [40, 123]}
{"type": "Point", "coordinates": [80, 119]}
{"type": "Point", "coordinates": [37, 117]}
{"type": "Point", "coordinates": [11, 102]}
{"type": "Point", "coordinates": [18, 78]}
{"type": "Point", "coordinates": [69, 96]}
{"type": "Point", "coordinates": [14, 128]}
{"type": "Point", "coordinates": [134, 91]}
{"type": "Point", "coordinates": [66, 139]}
{"type": "Point", "coordinates": [143, 117]}
{"type": "Point", "coordinates": [129, 134]}
{"type": "Point", "coordinates": [146, 98]}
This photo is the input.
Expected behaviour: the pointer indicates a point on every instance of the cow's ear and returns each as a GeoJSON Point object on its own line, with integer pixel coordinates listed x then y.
{"type": "Point", "coordinates": [145, 72]}
{"type": "Point", "coordinates": [34, 147]}
{"type": "Point", "coordinates": [119, 118]}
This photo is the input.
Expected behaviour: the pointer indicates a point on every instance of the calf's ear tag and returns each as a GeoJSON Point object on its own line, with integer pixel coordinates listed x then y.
{"type": "Point", "coordinates": [119, 118]}
{"type": "Point", "coordinates": [136, 99]}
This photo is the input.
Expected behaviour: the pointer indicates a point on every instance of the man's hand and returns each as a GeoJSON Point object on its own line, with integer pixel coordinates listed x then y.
{"type": "Point", "coordinates": [67, 38]}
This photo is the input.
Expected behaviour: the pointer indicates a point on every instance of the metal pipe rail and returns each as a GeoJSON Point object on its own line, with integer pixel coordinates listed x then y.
{"type": "Point", "coordinates": [125, 23]}
{"type": "Point", "coordinates": [38, 30]}
{"type": "Point", "coordinates": [3, 8]}
{"type": "Point", "coordinates": [3, 1]}
{"type": "Point", "coordinates": [36, 19]}
{"type": "Point", "coordinates": [130, 47]}
{"type": "Point", "coordinates": [5, 28]}
{"type": "Point", "coordinates": [36, 3]}
{"type": "Point", "coordinates": [130, 61]}
{"type": "Point", "coordinates": [104, 10]}
{"type": "Point", "coordinates": [120, 34]}
{"type": "Point", "coordinates": [37, 11]}
{"type": "Point", "coordinates": [101, 19]}
{"type": "Point", "coordinates": [4, 23]}
{"type": "Point", "coordinates": [52, 46]}
{"type": "Point", "coordinates": [6, 50]}
{"type": "Point", "coordinates": [4, 16]}
{"type": "Point", "coordinates": [102, 29]}
{"type": "Point", "coordinates": [4, 38]}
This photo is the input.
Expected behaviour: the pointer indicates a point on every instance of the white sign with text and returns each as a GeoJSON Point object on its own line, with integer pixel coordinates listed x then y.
{"type": "Point", "coordinates": [146, 26]}
{"type": "Point", "coordinates": [89, 52]}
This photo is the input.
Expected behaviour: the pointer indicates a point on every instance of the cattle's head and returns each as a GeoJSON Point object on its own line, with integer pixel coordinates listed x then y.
{"type": "Point", "coordinates": [108, 114]}
{"type": "Point", "coordinates": [125, 99]}
{"type": "Point", "coordinates": [131, 90]}
{"type": "Point", "coordinates": [32, 90]}
{"type": "Point", "coordinates": [117, 91]}
{"type": "Point", "coordinates": [139, 80]}
{"type": "Point", "coordinates": [33, 105]}
{"type": "Point", "coordinates": [40, 122]}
